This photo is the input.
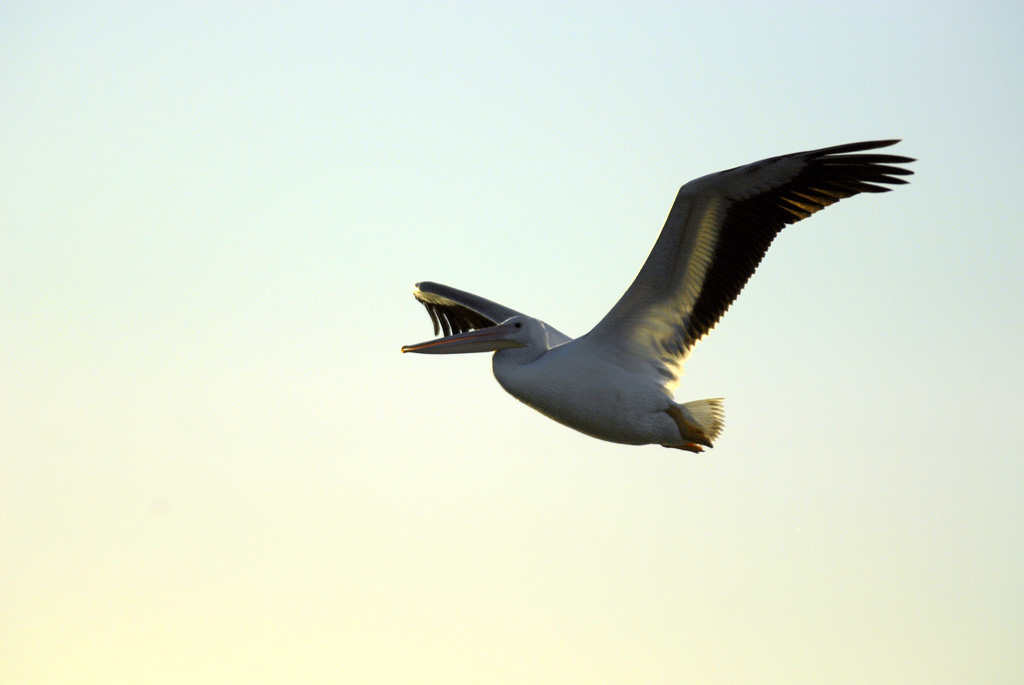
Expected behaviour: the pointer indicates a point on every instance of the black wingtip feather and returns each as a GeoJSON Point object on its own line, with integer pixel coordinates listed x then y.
{"type": "Point", "coordinates": [831, 174]}
{"type": "Point", "coordinates": [446, 314]}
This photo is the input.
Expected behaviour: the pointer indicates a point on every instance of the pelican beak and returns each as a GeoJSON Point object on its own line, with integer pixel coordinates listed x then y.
{"type": "Point", "coordinates": [483, 340]}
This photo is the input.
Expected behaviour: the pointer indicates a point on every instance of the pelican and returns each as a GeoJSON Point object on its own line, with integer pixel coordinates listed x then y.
{"type": "Point", "coordinates": [618, 381]}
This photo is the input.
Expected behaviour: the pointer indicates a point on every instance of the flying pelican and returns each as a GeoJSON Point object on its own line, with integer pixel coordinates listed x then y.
{"type": "Point", "coordinates": [617, 382]}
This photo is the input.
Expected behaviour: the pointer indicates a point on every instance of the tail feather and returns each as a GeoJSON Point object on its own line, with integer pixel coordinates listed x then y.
{"type": "Point", "coordinates": [710, 414]}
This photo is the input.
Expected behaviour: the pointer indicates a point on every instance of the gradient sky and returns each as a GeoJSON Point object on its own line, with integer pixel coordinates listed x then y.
{"type": "Point", "coordinates": [215, 466]}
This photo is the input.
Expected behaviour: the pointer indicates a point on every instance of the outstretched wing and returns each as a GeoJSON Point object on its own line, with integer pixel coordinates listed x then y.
{"type": "Point", "coordinates": [456, 311]}
{"type": "Point", "coordinates": [716, 234]}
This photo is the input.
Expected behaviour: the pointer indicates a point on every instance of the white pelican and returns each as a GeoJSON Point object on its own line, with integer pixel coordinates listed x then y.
{"type": "Point", "coordinates": [617, 382]}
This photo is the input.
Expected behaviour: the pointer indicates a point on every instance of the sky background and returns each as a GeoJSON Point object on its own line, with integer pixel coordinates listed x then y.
{"type": "Point", "coordinates": [216, 466]}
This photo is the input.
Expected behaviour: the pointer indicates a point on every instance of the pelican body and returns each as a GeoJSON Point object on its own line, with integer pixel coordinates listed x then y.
{"type": "Point", "coordinates": [617, 382]}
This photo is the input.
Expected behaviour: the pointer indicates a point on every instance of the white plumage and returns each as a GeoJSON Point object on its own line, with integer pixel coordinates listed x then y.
{"type": "Point", "coordinates": [617, 382]}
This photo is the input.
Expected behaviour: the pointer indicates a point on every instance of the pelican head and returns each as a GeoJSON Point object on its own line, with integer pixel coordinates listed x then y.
{"type": "Point", "coordinates": [617, 382]}
{"type": "Point", "coordinates": [518, 331]}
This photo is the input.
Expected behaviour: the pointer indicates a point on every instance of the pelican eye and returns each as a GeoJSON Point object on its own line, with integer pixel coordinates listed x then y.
{"type": "Point", "coordinates": [519, 324]}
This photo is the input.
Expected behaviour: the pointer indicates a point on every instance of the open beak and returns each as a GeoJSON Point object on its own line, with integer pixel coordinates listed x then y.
{"type": "Point", "coordinates": [482, 340]}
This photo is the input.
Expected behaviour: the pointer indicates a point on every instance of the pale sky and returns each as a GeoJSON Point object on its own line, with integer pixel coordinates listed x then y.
{"type": "Point", "coordinates": [216, 466]}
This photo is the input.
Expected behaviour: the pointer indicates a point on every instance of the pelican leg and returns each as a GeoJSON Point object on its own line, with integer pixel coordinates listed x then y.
{"type": "Point", "coordinates": [689, 447]}
{"type": "Point", "coordinates": [693, 435]}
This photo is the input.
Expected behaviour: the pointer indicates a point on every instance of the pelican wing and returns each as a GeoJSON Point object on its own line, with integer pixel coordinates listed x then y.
{"type": "Point", "coordinates": [456, 311]}
{"type": "Point", "coordinates": [716, 234]}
